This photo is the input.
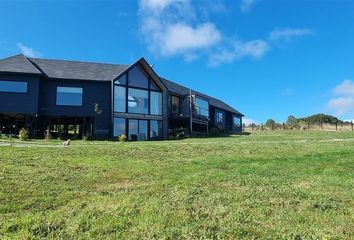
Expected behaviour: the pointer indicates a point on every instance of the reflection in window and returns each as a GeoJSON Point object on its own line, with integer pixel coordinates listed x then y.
{"type": "Point", "coordinates": [138, 101]}
{"type": "Point", "coordinates": [122, 80]}
{"type": "Point", "coordinates": [175, 105]}
{"type": "Point", "coordinates": [155, 103]}
{"type": "Point", "coordinates": [138, 78]}
{"type": "Point", "coordinates": [201, 107]}
{"type": "Point", "coordinates": [155, 129]}
{"type": "Point", "coordinates": [11, 86]}
{"type": "Point", "coordinates": [69, 96]}
{"type": "Point", "coordinates": [119, 99]}
{"type": "Point", "coordinates": [237, 121]}
{"type": "Point", "coordinates": [220, 119]}
{"type": "Point", "coordinates": [138, 130]}
{"type": "Point", "coordinates": [119, 127]}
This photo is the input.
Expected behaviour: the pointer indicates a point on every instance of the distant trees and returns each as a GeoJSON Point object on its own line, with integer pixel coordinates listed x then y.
{"type": "Point", "coordinates": [270, 123]}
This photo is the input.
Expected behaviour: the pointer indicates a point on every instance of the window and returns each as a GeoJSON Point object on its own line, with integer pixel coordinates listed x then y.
{"type": "Point", "coordinates": [69, 96]}
{"type": "Point", "coordinates": [219, 118]}
{"type": "Point", "coordinates": [138, 130]}
{"type": "Point", "coordinates": [138, 78]}
{"type": "Point", "coordinates": [237, 121]}
{"type": "Point", "coordinates": [11, 86]}
{"type": "Point", "coordinates": [122, 80]}
{"type": "Point", "coordinates": [119, 99]}
{"type": "Point", "coordinates": [201, 107]}
{"type": "Point", "coordinates": [155, 129]}
{"type": "Point", "coordinates": [175, 105]}
{"type": "Point", "coordinates": [119, 127]}
{"type": "Point", "coordinates": [138, 101]}
{"type": "Point", "coordinates": [156, 103]}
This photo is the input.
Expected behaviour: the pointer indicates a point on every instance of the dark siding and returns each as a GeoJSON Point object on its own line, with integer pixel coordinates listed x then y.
{"type": "Point", "coordinates": [93, 92]}
{"type": "Point", "coordinates": [26, 103]}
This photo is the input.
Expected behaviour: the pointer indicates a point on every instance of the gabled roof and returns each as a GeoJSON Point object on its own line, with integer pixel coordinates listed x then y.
{"type": "Point", "coordinates": [79, 70]}
{"type": "Point", "coordinates": [182, 90]}
{"type": "Point", "coordinates": [18, 64]}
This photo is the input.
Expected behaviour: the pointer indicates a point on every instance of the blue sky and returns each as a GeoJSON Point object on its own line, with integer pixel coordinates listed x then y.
{"type": "Point", "coordinates": [268, 59]}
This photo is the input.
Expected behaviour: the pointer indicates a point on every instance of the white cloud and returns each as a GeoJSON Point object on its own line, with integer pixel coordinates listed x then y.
{"type": "Point", "coordinates": [246, 5]}
{"type": "Point", "coordinates": [249, 121]}
{"type": "Point", "coordinates": [28, 52]}
{"type": "Point", "coordinates": [288, 34]}
{"type": "Point", "coordinates": [239, 49]}
{"type": "Point", "coordinates": [343, 102]}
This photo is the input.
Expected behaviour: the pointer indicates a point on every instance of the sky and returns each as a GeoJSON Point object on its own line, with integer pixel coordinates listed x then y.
{"type": "Point", "coordinates": [266, 58]}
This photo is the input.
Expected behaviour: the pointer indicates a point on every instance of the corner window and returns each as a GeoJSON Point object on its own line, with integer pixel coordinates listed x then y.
{"type": "Point", "coordinates": [156, 103]}
{"type": "Point", "coordinates": [12, 86]}
{"type": "Point", "coordinates": [237, 121]}
{"type": "Point", "coordinates": [69, 96]}
{"type": "Point", "coordinates": [138, 101]}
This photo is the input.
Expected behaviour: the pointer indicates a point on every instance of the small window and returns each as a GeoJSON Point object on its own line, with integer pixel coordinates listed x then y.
{"type": "Point", "coordinates": [219, 118]}
{"type": "Point", "coordinates": [201, 107]}
{"type": "Point", "coordinates": [69, 96]}
{"type": "Point", "coordinates": [237, 121]}
{"type": "Point", "coordinates": [175, 105]}
{"type": "Point", "coordinates": [12, 86]}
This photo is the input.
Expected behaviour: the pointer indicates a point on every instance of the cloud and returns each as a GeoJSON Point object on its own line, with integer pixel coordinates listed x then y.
{"type": "Point", "coordinates": [240, 49]}
{"type": "Point", "coordinates": [343, 102]}
{"type": "Point", "coordinates": [249, 121]}
{"type": "Point", "coordinates": [246, 5]}
{"type": "Point", "coordinates": [288, 34]}
{"type": "Point", "coordinates": [28, 52]}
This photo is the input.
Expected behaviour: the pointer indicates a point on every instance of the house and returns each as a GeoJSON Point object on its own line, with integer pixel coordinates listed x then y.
{"type": "Point", "coordinates": [103, 100]}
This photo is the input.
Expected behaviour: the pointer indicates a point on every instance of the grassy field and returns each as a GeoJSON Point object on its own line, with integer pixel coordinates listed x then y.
{"type": "Point", "coordinates": [269, 185]}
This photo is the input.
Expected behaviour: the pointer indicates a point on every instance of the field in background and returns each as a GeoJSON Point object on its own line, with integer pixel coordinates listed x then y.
{"type": "Point", "coordinates": [269, 185]}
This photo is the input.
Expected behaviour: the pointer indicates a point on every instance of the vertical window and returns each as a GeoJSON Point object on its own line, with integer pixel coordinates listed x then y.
{"type": "Point", "coordinates": [12, 86]}
{"type": "Point", "coordinates": [119, 99]}
{"type": "Point", "coordinates": [219, 118]}
{"type": "Point", "coordinates": [155, 129]}
{"type": "Point", "coordinates": [237, 122]}
{"type": "Point", "coordinates": [175, 105]}
{"type": "Point", "coordinates": [156, 103]}
{"type": "Point", "coordinates": [138, 101]}
{"type": "Point", "coordinates": [138, 77]}
{"type": "Point", "coordinates": [201, 107]}
{"type": "Point", "coordinates": [138, 130]}
{"type": "Point", "coordinates": [119, 127]}
{"type": "Point", "coordinates": [69, 96]}
{"type": "Point", "coordinates": [143, 130]}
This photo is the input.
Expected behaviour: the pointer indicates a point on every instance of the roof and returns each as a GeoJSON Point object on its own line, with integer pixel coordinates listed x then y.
{"type": "Point", "coordinates": [79, 70]}
{"type": "Point", "coordinates": [18, 64]}
{"type": "Point", "coordinates": [182, 90]}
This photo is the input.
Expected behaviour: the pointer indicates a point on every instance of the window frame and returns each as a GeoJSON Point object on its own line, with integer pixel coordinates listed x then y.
{"type": "Point", "coordinates": [70, 105]}
{"type": "Point", "coordinates": [15, 81]}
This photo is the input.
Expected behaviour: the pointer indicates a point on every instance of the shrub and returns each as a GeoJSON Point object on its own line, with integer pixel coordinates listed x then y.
{"type": "Point", "coordinates": [177, 133]}
{"type": "Point", "coordinates": [214, 132]}
{"type": "Point", "coordinates": [23, 134]}
{"type": "Point", "coordinates": [85, 137]}
{"type": "Point", "coordinates": [122, 138]}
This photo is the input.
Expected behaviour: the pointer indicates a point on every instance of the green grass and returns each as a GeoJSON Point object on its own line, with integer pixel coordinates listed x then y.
{"type": "Point", "coordinates": [271, 185]}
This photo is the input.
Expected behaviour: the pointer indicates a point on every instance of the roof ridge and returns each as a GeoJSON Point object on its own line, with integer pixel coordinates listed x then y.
{"type": "Point", "coordinates": [77, 61]}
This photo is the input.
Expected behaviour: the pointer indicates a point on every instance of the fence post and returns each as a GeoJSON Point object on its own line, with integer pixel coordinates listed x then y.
{"type": "Point", "coordinates": [351, 123]}
{"type": "Point", "coordinates": [308, 125]}
{"type": "Point", "coordinates": [321, 125]}
{"type": "Point", "coordinates": [283, 126]}
{"type": "Point", "coordinates": [252, 127]}
{"type": "Point", "coordinates": [336, 125]}
{"type": "Point", "coordinates": [262, 127]}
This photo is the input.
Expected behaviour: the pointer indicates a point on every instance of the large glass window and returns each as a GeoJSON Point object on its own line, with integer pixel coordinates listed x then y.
{"type": "Point", "coordinates": [138, 101]}
{"type": "Point", "coordinates": [122, 80]}
{"type": "Point", "coordinates": [156, 103]}
{"type": "Point", "coordinates": [12, 86]}
{"type": "Point", "coordinates": [138, 77]}
{"type": "Point", "coordinates": [69, 96]}
{"type": "Point", "coordinates": [138, 130]}
{"type": "Point", "coordinates": [119, 127]}
{"type": "Point", "coordinates": [175, 105]}
{"type": "Point", "coordinates": [201, 107]}
{"type": "Point", "coordinates": [155, 129]}
{"type": "Point", "coordinates": [119, 99]}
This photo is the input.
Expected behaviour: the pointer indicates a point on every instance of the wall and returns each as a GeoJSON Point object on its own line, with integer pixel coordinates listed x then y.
{"type": "Point", "coordinates": [26, 103]}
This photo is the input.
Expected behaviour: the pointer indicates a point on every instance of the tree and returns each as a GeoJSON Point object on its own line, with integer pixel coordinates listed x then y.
{"type": "Point", "coordinates": [270, 124]}
{"type": "Point", "coordinates": [291, 121]}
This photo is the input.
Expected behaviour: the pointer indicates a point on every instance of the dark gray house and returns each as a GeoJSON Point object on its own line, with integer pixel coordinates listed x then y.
{"type": "Point", "coordinates": [103, 100]}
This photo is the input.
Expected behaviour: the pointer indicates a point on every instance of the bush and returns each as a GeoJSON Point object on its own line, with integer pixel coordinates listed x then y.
{"type": "Point", "coordinates": [85, 137]}
{"type": "Point", "coordinates": [214, 132]}
{"type": "Point", "coordinates": [122, 138]}
{"type": "Point", "coordinates": [177, 133]}
{"type": "Point", "coordinates": [23, 134]}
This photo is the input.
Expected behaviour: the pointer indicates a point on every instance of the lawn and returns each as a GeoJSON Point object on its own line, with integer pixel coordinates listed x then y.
{"type": "Point", "coordinates": [269, 185]}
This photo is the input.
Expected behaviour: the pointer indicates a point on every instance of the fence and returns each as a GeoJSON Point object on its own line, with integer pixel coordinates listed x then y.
{"type": "Point", "coordinates": [340, 126]}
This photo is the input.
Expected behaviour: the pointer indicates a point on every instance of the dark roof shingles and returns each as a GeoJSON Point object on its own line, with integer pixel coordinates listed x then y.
{"type": "Point", "coordinates": [18, 64]}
